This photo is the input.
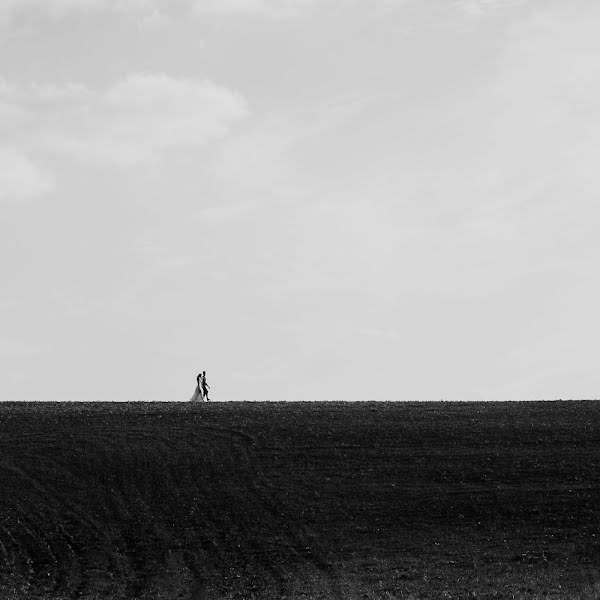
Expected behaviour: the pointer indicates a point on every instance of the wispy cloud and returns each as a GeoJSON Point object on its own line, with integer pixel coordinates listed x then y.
{"type": "Point", "coordinates": [20, 177]}
{"type": "Point", "coordinates": [142, 116]}
{"type": "Point", "coordinates": [261, 156]}
{"type": "Point", "coordinates": [58, 9]}
{"type": "Point", "coordinates": [133, 121]}
{"type": "Point", "coordinates": [479, 8]}
{"type": "Point", "coordinates": [272, 8]}
{"type": "Point", "coordinates": [545, 131]}
{"type": "Point", "coordinates": [150, 12]}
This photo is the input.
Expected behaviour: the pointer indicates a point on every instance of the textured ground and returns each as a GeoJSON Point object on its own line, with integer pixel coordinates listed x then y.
{"type": "Point", "coordinates": [300, 500]}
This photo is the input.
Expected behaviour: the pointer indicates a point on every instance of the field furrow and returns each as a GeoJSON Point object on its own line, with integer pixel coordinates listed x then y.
{"type": "Point", "coordinates": [299, 500]}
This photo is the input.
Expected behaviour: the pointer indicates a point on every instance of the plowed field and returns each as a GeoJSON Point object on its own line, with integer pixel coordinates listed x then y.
{"type": "Point", "coordinates": [333, 500]}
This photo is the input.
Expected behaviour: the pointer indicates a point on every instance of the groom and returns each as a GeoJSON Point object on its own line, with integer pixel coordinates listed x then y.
{"type": "Point", "coordinates": [205, 387]}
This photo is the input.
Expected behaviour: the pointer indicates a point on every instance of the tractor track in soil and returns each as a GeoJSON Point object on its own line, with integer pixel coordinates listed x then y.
{"type": "Point", "coordinates": [71, 578]}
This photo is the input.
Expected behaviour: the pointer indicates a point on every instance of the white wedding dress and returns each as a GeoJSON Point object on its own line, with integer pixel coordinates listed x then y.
{"type": "Point", "coordinates": [197, 397]}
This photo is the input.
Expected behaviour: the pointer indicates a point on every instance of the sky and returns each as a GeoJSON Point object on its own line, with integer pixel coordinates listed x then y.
{"type": "Point", "coordinates": [308, 199]}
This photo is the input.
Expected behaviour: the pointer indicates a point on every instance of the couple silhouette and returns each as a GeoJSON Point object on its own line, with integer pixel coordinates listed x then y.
{"type": "Point", "coordinates": [201, 391]}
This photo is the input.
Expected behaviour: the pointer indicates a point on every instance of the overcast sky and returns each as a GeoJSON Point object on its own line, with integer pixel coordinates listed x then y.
{"type": "Point", "coordinates": [308, 199]}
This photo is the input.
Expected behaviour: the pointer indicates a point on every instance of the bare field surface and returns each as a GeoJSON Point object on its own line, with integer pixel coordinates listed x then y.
{"type": "Point", "coordinates": [324, 500]}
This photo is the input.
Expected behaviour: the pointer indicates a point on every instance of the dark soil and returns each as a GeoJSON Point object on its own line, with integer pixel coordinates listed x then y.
{"type": "Point", "coordinates": [299, 500]}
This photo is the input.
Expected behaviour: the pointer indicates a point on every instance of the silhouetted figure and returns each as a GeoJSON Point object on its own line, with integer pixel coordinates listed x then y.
{"type": "Point", "coordinates": [197, 397]}
{"type": "Point", "coordinates": [205, 387]}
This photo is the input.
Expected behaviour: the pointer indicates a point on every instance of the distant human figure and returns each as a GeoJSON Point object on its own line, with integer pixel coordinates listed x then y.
{"type": "Point", "coordinates": [197, 397]}
{"type": "Point", "coordinates": [205, 387]}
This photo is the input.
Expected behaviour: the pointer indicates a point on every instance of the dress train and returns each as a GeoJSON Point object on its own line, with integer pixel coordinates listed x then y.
{"type": "Point", "coordinates": [197, 397]}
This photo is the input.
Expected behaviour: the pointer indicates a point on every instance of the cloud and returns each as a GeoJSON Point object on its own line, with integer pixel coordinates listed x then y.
{"type": "Point", "coordinates": [12, 10]}
{"type": "Point", "coordinates": [477, 8]}
{"type": "Point", "coordinates": [256, 159]}
{"type": "Point", "coordinates": [486, 193]}
{"type": "Point", "coordinates": [504, 187]}
{"type": "Point", "coordinates": [146, 114]}
{"type": "Point", "coordinates": [151, 12]}
{"type": "Point", "coordinates": [133, 121]}
{"type": "Point", "coordinates": [263, 156]}
{"type": "Point", "coordinates": [20, 178]}
{"type": "Point", "coordinates": [545, 133]}
{"type": "Point", "coordinates": [271, 8]}
{"type": "Point", "coordinates": [58, 9]}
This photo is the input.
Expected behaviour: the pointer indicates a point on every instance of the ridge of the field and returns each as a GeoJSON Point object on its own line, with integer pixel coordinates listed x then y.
{"type": "Point", "coordinates": [169, 501]}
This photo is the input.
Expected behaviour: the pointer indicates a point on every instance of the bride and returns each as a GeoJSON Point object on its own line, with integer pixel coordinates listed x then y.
{"type": "Point", "coordinates": [197, 397]}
